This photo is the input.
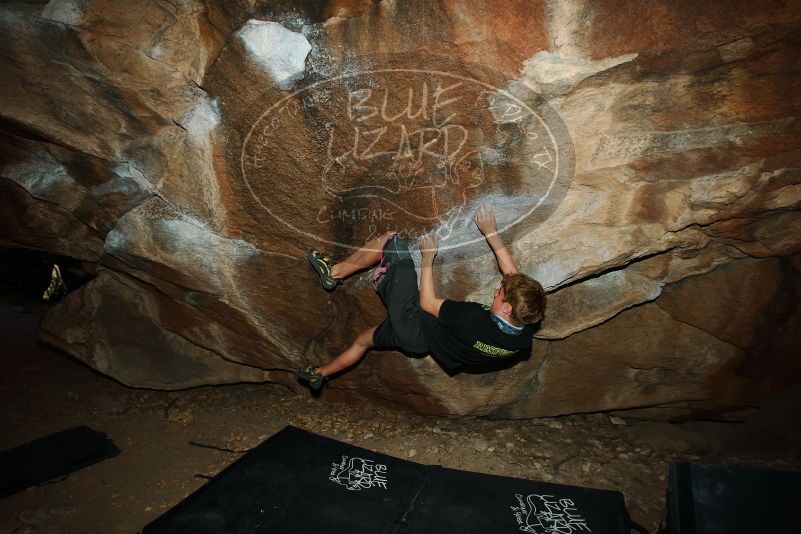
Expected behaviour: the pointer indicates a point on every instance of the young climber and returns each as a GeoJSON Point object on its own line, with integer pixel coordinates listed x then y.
{"type": "Point", "coordinates": [458, 334]}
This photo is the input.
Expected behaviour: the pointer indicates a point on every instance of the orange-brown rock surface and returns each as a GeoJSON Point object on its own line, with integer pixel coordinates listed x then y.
{"type": "Point", "coordinates": [643, 160]}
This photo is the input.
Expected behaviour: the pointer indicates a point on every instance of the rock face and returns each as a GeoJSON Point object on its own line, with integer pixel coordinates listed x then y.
{"type": "Point", "coordinates": [643, 161]}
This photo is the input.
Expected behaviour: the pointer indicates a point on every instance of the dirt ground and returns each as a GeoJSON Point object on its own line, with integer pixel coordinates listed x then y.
{"type": "Point", "coordinates": [165, 438]}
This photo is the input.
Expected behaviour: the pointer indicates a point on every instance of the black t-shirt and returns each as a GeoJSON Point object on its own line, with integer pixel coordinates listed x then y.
{"type": "Point", "coordinates": [465, 334]}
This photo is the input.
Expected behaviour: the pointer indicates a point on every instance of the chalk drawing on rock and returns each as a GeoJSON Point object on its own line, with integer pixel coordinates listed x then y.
{"type": "Point", "coordinates": [404, 149]}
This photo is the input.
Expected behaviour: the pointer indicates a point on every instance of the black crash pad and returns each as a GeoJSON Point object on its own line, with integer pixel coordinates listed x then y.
{"type": "Point", "coordinates": [721, 499]}
{"type": "Point", "coordinates": [297, 481]}
{"type": "Point", "coordinates": [52, 457]}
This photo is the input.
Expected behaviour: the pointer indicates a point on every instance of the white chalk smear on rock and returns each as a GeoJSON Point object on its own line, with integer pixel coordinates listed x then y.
{"type": "Point", "coordinates": [281, 52]}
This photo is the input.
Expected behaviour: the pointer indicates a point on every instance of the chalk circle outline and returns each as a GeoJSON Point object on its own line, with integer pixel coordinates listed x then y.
{"type": "Point", "coordinates": [506, 93]}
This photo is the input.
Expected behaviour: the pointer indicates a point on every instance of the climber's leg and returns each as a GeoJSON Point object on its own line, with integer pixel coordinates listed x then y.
{"type": "Point", "coordinates": [349, 356]}
{"type": "Point", "coordinates": [365, 257]}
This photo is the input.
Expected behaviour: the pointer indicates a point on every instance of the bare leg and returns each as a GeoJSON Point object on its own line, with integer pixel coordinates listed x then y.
{"type": "Point", "coordinates": [365, 257]}
{"type": "Point", "coordinates": [351, 355]}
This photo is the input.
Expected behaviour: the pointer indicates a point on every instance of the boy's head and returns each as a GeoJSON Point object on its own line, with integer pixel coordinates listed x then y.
{"type": "Point", "coordinates": [521, 298]}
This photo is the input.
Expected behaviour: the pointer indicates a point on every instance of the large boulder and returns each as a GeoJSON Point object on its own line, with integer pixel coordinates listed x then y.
{"type": "Point", "coordinates": [643, 162]}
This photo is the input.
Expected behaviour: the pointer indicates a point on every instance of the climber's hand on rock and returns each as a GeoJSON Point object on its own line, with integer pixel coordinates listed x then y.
{"type": "Point", "coordinates": [428, 249]}
{"type": "Point", "coordinates": [485, 220]}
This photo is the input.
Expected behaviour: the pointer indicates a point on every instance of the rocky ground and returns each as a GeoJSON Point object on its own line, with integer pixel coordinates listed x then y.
{"type": "Point", "coordinates": [172, 441]}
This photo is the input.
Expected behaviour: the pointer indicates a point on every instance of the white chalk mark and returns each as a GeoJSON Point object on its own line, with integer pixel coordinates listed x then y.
{"type": "Point", "coordinates": [281, 52]}
{"type": "Point", "coordinates": [69, 12]}
{"type": "Point", "coordinates": [547, 72]}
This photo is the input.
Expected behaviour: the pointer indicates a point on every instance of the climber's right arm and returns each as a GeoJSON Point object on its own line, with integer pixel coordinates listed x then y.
{"type": "Point", "coordinates": [485, 220]}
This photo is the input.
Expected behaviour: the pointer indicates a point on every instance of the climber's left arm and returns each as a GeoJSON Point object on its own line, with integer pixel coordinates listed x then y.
{"type": "Point", "coordinates": [428, 298]}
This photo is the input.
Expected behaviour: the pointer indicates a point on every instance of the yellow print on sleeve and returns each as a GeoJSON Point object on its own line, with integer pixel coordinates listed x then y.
{"type": "Point", "coordinates": [490, 350]}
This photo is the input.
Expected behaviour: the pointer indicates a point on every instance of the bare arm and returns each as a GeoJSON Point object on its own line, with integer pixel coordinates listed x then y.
{"type": "Point", "coordinates": [428, 298]}
{"type": "Point", "coordinates": [485, 220]}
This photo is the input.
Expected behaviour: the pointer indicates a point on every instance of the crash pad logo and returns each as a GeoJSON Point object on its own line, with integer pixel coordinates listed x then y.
{"type": "Point", "coordinates": [546, 514]}
{"type": "Point", "coordinates": [347, 158]}
{"type": "Point", "coordinates": [358, 473]}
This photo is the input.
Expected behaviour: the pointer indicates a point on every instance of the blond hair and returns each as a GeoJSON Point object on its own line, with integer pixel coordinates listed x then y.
{"type": "Point", "coordinates": [526, 297]}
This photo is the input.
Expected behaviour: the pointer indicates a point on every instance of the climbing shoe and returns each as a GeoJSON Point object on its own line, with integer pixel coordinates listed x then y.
{"type": "Point", "coordinates": [322, 266]}
{"type": "Point", "coordinates": [312, 377]}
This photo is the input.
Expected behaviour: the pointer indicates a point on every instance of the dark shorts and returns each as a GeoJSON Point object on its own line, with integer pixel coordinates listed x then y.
{"type": "Point", "coordinates": [398, 289]}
